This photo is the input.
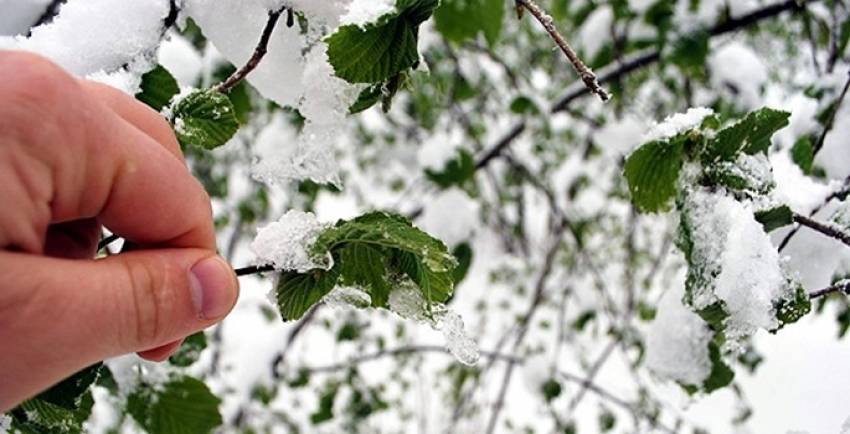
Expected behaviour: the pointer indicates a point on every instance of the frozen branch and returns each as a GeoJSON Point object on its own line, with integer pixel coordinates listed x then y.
{"type": "Point", "coordinates": [842, 287]}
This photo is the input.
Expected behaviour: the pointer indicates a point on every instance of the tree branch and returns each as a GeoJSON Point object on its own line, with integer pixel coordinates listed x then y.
{"type": "Point", "coordinates": [587, 76]}
{"type": "Point", "coordinates": [259, 52]}
{"type": "Point", "coordinates": [842, 286]}
{"type": "Point", "coordinates": [618, 70]}
{"type": "Point", "coordinates": [825, 228]}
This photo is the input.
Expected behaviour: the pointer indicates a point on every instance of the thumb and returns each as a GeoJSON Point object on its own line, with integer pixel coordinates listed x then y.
{"type": "Point", "coordinates": [61, 315]}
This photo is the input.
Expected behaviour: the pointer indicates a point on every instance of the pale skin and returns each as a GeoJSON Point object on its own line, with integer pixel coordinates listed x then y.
{"type": "Point", "coordinates": [77, 156]}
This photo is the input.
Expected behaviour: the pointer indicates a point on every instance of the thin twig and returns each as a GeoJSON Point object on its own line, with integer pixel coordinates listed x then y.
{"type": "Point", "coordinates": [253, 269]}
{"type": "Point", "coordinates": [824, 228]}
{"type": "Point", "coordinates": [536, 301]}
{"type": "Point", "coordinates": [259, 52]}
{"type": "Point", "coordinates": [831, 122]}
{"type": "Point", "coordinates": [637, 61]}
{"type": "Point", "coordinates": [842, 286]}
{"type": "Point", "coordinates": [587, 76]}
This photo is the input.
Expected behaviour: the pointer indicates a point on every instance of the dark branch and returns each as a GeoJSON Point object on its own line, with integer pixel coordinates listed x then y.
{"type": "Point", "coordinates": [842, 287]}
{"type": "Point", "coordinates": [828, 127]}
{"type": "Point", "coordinates": [259, 52]}
{"type": "Point", "coordinates": [617, 71]}
{"type": "Point", "coordinates": [587, 76]}
{"type": "Point", "coordinates": [254, 269]}
{"type": "Point", "coordinates": [49, 13]}
{"type": "Point", "coordinates": [824, 228]}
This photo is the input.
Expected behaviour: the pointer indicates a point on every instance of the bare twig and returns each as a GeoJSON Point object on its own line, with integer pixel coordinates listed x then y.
{"type": "Point", "coordinates": [831, 122]}
{"type": "Point", "coordinates": [259, 52]}
{"type": "Point", "coordinates": [254, 269]}
{"type": "Point", "coordinates": [824, 228]}
{"type": "Point", "coordinates": [842, 286]}
{"type": "Point", "coordinates": [586, 75]}
{"type": "Point", "coordinates": [536, 301]}
{"type": "Point", "coordinates": [637, 61]}
{"type": "Point", "coordinates": [409, 349]}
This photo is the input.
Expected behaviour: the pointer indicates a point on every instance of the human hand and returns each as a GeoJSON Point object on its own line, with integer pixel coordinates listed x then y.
{"type": "Point", "coordinates": [75, 156]}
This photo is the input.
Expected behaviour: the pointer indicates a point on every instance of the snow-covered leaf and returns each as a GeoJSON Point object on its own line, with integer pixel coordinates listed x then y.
{"type": "Point", "coordinates": [750, 135]}
{"type": "Point", "coordinates": [375, 52]}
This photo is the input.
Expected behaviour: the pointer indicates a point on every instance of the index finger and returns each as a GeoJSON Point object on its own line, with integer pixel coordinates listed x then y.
{"type": "Point", "coordinates": [99, 164]}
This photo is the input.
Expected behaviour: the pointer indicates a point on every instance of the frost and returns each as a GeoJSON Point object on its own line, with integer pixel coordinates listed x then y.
{"type": "Point", "coordinates": [285, 244]}
{"type": "Point", "coordinates": [735, 263]}
{"type": "Point", "coordinates": [802, 193]}
{"type": "Point", "coordinates": [343, 296]}
{"type": "Point", "coordinates": [108, 34]}
{"type": "Point", "coordinates": [677, 123]}
{"type": "Point", "coordinates": [407, 302]}
{"type": "Point", "coordinates": [677, 343]}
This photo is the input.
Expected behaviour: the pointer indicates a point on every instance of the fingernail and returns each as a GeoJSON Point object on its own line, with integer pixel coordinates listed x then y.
{"type": "Point", "coordinates": [213, 287]}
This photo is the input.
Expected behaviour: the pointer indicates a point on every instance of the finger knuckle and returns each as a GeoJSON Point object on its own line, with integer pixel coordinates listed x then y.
{"type": "Point", "coordinates": [148, 308]}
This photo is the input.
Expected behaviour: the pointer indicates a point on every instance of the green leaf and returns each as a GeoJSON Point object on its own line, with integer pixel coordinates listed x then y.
{"type": "Point", "coordinates": [456, 171]}
{"type": "Point", "coordinates": [464, 254]}
{"type": "Point", "coordinates": [363, 265]}
{"type": "Point", "coordinates": [721, 375]}
{"type": "Point", "coordinates": [408, 250]}
{"type": "Point", "coordinates": [803, 155]}
{"type": "Point", "coordinates": [184, 405]}
{"type": "Point", "coordinates": [158, 88]}
{"type": "Point", "coordinates": [690, 51]}
{"type": "Point", "coordinates": [190, 351]}
{"type": "Point", "coordinates": [551, 389]}
{"type": "Point", "coordinates": [375, 52]}
{"type": "Point", "coordinates": [460, 20]}
{"type": "Point", "coordinates": [205, 118]}
{"type": "Point", "coordinates": [750, 135]}
{"type": "Point", "coordinates": [775, 218]}
{"type": "Point", "coordinates": [652, 172]}
{"type": "Point", "coordinates": [62, 409]}
{"type": "Point", "coordinates": [791, 310]}
{"type": "Point", "coordinates": [325, 412]}
{"type": "Point", "coordinates": [297, 292]}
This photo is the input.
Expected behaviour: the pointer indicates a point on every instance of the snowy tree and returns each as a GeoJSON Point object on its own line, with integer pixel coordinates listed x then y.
{"type": "Point", "coordinates": [487, 216]}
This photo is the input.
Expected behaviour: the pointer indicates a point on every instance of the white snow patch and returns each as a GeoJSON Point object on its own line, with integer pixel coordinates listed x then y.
{"type": "Point", "coordinates": [285, 244]}
{"type": "Point", "coordinates": [802, 193]}
{"type": "Point", "coordinates": [451, 216]}
{"type": "Point", "coordinates": [677, 124]}
{"type": "Point", "coordinates": [677, 342]}
{"type": "Point", "coordinates": [362, 12]}
{"type": "Point", "coordinates": [99, 35]}
{"type": "Point", "coordinates": [181, 59]}
{"type": "Point", "coordinates": [407, 302]}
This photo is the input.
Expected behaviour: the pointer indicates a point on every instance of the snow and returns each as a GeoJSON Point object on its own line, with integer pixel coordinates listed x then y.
{"type": "Point", "coordinates": [451, 216]}
{"type": "Point", "coordinates": [18, 16]}
{"type": "Point", "coordinates": [677, 124]}
{"type": "Point", "coordinates": [286, 243]}
{"type": "Point", "coordinates": [677, 342]}
{"type": "Point", "coordinates": [730, 244]}
{"type": "Point", "coordinates": [738, 66]}
{"type": "Point", "coordinates": [407, 302]}
{"type": "Point", "coordinates": [362, 12]}
{"type": "Point", "coordinates": [845, 427]}
{"type": "Point", "coordinates": [111, 33]}
{"type": "Point", "coordinates": [5, 423]}
{"type": "Point", "coordinates": [754, 169]}
{"type": "Point", "coordinates": [800, 192]}
{"type": "Point", "coordinates": [347, 296]}
{"type": "Point", "coordinates": [181, 59]}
